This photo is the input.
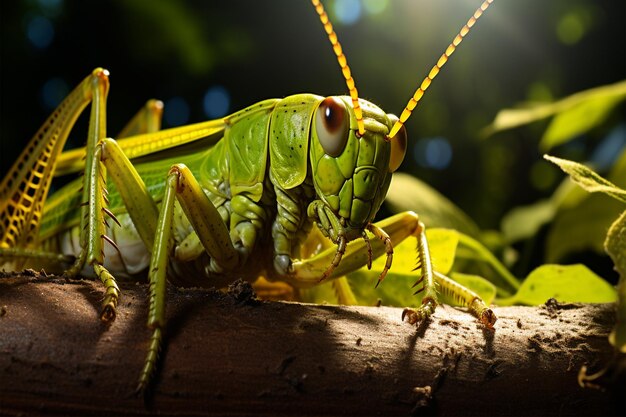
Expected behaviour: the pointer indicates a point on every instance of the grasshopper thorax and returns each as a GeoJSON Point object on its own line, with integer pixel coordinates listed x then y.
{"type": "Point", "coordinates": [352, 171]}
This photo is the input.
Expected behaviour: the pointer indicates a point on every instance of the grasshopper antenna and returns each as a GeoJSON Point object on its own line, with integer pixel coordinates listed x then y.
{"type": "Point", "coordinates": [417, 96]}
{"type": "Point", "coordinates": [343, 63]}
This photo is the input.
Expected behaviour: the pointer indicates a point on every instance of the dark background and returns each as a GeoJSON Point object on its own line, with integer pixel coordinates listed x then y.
{"type": "Point", "coordinates": [519, 51]}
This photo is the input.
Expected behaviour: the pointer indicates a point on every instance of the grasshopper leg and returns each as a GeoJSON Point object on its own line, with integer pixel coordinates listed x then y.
{"type": "Point", "coordinates": [181, 187]}
{"type": "Point", "coordinates": [25, 188]}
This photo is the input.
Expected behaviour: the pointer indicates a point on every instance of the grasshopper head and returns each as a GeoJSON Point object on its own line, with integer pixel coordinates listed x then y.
{"type": "Point", "coordinates": [357, 146]}
{"type": "Point", "coordinates": [352, 172]}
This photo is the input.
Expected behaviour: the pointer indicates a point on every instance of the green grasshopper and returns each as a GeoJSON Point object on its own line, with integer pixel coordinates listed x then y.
{"type": "Point", "coordinates": [236, 196]}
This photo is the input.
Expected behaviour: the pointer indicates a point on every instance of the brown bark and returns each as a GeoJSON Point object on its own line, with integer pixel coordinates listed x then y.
{"type": "Point", "coordinates": [234, 356]}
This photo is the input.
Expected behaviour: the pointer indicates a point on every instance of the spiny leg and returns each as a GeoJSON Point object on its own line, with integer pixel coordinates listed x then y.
{"type": "Point", "coordinates": [138, 202]}
{"type": "Point", "coordinates": [366, 239]}
{"type": "Point", "coordinates": [384, 237]}
{"type": "Point", "coordinates": [25, 188]}
{"type": "Point", "coordinates": [341, 249]}
{"type": "Point", "coordinates": [140, 205]}
{"type": "Point", "coordinates": [429, 300]}
{"type": "Point", "coordinates": [93, 210]}
{"type": "Point", "coordinates": [333, 228]}
{"type": "Point", "coordinates": [158, 277]}
{"type": "Point", "coordinates": [214, 236]}
{"type": "Point", "coordinates": [465, 297]}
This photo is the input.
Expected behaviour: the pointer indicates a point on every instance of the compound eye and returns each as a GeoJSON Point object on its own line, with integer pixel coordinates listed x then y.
{"type": "Point", "coordinates": [331, 123]}
{"type": "Point", "coordinates": [398, 149]}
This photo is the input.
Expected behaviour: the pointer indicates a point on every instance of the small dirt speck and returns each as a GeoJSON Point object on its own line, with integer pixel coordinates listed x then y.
{"type": "Point", "coordinates": [454, 324]}
{"type": "Point", "coordinates": [535, 343]}
{"type": "Point", "coordinates": [3, 311]}
{"type": "Point", "coordinates": [358, 341]}
{"type": "Point", "coordinates": [242, 292]}
{"type": "Point", "coordinates": [519, 323]}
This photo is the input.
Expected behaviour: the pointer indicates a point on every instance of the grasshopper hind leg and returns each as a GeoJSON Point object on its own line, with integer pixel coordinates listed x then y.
{"type": "Point", "coordinates": [25, 188]}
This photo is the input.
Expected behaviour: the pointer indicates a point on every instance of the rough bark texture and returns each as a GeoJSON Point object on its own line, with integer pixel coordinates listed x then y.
{"type": "Point", "coordinates": [230, 355]}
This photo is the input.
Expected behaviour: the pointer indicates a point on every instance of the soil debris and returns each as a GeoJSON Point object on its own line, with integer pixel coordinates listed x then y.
{"type": "Point", "coordinates": [30, 273]}
{"type": "Point", "coordinates": [424, 404]}
{"type": "Point", "coordinates": [552, 304]}
{"type": "Point", "coordinates": [454, 324]}
{"type": "Point", "coordinates": [242, 293]}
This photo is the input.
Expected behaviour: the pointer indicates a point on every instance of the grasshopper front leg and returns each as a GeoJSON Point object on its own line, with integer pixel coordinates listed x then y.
{"type": "Point", "coordinates": [181, 186]}
{"type": "Point", "coordinates": [306, 273]}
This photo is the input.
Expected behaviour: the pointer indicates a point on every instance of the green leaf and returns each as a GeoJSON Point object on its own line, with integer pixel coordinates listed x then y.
{"type": "Point", "coordinates": [442, 244]}
{"type": "Point", "coordinates": [594, 105]}
{"type": "Point", "coordinates": [582, 227]}
{"type": "Point", "coordinates": [615, 246]}
{"type": "Point", "coordinates": [580, 118]}
{"type": "Point", "coordinates": [320, 294]}
{"type": "Point", "coordinates": [524, 222]}
{"type": "Point", "coordinates": [408, 193]}
{"type": "Point", "coordinates": [472, 249]}
{"type": "Point", "coordinates": [618, 171]}
{"type": "Point", "coordinates": [395, 290]}
{"type": "Point", "coordinates": [569, 284]}
{"type": "Point", "coordinates": [588, 179]}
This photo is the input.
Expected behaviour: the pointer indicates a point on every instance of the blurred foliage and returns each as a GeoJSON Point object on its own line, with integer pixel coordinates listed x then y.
{"type": "Point", "coordinates": [573, 116]}
{"type": "Point", "coordinates": [409, 193]}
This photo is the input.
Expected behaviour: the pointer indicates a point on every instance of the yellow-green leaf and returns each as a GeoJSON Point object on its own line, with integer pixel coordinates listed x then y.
{"type": "Point", "coordinates": [571, 283]}
{"type": "Point", "coordinates": [598, 102]}
{"type": "Point", "coordinates": [441, 242]}
{"type": "Point", "coordinates": [409, 193]}
{"type": "Point", "coordinates": [580, 118]}
{"type": "Point", "coordinates": [524, 222]}
{"type": "Point", "coordinates": [474, 250]}
{"type": "Point", "coordinates": [588, 179]}
{"type": "Point", "coordinates": [581, 228]}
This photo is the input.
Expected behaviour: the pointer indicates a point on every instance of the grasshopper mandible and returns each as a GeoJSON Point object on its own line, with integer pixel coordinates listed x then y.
{"type": "Point", "coordinates": [239, 196]}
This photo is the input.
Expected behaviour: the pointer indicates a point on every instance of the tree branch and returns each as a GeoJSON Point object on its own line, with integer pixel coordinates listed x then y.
{"type": "Point", "coordinates": [230, 355]}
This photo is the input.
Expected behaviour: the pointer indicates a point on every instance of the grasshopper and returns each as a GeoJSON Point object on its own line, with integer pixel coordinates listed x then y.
{"type": "Point", "coordinates": [238, 196]}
